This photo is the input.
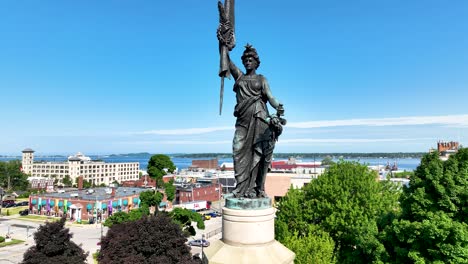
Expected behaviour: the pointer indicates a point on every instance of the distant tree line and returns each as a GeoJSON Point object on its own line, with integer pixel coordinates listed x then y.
{"type": "Point", "coordinates": [318, 156]}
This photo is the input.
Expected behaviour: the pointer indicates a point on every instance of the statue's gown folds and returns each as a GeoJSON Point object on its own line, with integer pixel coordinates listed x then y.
{"type": "Point", "coordinates": [252, 143]}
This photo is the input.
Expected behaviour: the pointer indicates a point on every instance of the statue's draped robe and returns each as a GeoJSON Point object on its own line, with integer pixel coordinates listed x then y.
{"type": "Point", "coordinates": [252, 144]}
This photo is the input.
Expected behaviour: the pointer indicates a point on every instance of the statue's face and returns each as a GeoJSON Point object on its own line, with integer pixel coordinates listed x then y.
{"type": "Point", "coordinates": [250, 63]}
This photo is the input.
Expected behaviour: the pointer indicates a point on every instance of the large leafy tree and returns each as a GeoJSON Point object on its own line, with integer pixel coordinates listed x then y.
{"type": "Point", "coordinates": [154, 239]}
{"type": "Point", "coordinates": [185, 217]}
{"type": "Point", "coordinates": [432, 227]}
{"type": "Point", "coordinates": [158, 165]}
{"type": "Point", "coordinates": [151, 198]}
{"type": "Point", "coordinates": [53, 245]}
{"type": "Point", "coordinates": [11, 175]}
{"type": "Point", "coordinates": [347, 203]}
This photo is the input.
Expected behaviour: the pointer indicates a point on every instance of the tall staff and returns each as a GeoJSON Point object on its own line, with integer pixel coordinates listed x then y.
{"type": "Point", "coordinates": [227, 42]}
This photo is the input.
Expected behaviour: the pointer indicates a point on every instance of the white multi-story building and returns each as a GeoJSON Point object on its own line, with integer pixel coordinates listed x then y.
{"type": "Point", "coordinates": [97, 172]}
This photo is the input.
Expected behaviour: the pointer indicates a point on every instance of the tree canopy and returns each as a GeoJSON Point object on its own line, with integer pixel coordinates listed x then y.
{"type": "Point", "coordinates": [432, 227]}
{"type": "Point", "coordinates": [170, 190]}
{"type": "Point", "coordinates": [123, 217]}
{"type": "Point", "coordinates": [53, 245]}
{"type": "Point", "coordinates": [347, 204]}
{"type": "Point", "coordinates": [153, 239]}
{"type": "Point", "coordinates": [328, 160]}
{"type": "Point", "coordinates": [66, 181]}
{"type": "Point", "coordinates": [151, 198]}
{"type": "Point", "coordinates": [12, 176]}
{"type": "Point", "coordinates": [185, 217]}
{"type": "Point", "coordinates": [157, 166]}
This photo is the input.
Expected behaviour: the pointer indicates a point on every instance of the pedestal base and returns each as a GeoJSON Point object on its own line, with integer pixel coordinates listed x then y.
{"type": "Point", "coordinates": [271, 253]}
{"type": "Point", "coordinates": [248, 237]}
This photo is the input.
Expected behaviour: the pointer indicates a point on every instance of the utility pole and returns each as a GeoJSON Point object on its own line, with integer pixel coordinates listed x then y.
{"type": "Point", "coordinates": [315, 166]}
{"type": "Point", "coordinates": [1, 200]}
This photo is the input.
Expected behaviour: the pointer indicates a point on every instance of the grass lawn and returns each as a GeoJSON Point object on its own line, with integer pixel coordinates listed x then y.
{"type": "Point", "coordinates": [95, 255]}
{"type": "Point", "coordinates": [12, 242]}
{"type": "Point", "coordinates": [13, 210]}
{"type": "Point", "coordinates": [39, 217]}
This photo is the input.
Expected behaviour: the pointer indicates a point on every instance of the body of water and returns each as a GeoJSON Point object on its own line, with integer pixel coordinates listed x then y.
{"type": "Point", "coordinates": [408, 164]}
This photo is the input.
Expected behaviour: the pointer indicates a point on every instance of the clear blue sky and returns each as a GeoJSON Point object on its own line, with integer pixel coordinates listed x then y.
{"type": "Point", "coordinates": [128, 76]}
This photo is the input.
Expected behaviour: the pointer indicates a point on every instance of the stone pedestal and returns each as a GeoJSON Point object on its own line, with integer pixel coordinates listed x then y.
{"type": "Point", "coordinates": [248, 237]}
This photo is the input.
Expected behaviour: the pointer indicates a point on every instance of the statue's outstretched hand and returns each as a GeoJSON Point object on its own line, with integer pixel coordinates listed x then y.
{"type": "Point", "coordinates": [280, 110]}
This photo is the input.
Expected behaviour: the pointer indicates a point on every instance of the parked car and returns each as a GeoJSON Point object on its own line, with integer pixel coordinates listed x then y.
{"type": "Point", "coordinates": [212, 214]}
{"type": "Point", "coordinates": [199, 242]}
{"type": "Point", "coordinates": [24, 212]}
{"type": "Point", "coordinates": [8, 202]}
{"type": "Point", "coordinates": [206, 216]}
{"type": "Point", "coordinates": [24, 203]}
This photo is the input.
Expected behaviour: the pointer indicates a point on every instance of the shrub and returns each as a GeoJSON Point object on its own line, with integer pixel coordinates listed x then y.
{"type": "Point", "coordinates": [2, 239]}
{"type": "Point", "coordinates": [53, 245]}
{"type": "Point", "coordinates": [155, 239]}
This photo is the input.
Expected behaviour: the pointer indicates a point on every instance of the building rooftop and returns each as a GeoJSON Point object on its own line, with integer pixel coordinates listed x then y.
{"type": "Point", "coordinates": [95, 193]}
{"type": "Point", "coordinates": [28, 150]}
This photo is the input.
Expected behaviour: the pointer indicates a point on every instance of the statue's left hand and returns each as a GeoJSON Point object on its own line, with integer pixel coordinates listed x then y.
{"type": "Point", "coordinates": [280, 110]}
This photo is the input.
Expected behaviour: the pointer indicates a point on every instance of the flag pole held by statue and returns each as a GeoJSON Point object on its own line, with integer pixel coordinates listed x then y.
{"type": "Point", "coordinates": [226, 42]}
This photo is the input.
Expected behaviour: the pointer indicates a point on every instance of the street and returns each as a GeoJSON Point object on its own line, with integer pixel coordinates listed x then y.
{"type": "Point", "coordinates": [86, 235]}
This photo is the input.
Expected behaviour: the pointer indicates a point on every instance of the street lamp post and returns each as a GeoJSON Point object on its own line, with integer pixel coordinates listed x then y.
{"type": "Point", "coordinates": [1, 200]}
{"type": "Point", "coordinates": [202, 242]}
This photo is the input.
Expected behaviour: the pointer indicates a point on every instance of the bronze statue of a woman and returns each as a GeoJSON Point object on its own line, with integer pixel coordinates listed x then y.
{"type": "Point", "coordinates": [256, 130]}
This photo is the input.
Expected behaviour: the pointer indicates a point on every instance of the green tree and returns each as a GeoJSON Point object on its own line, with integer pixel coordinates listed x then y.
{"type": "Point", "coordinates": [151, 198]}
{"type": "Point", "coordinates": [123, 217]}
{"type": "Point", "coordinates": [154, 239]}
{"type": "Point", "coordinates": [12, 176]}
{"type": "Point", "coordinates": [185, 217]}
{"type": "Point", "coordinates": [348, 204]}
{"type": "Point", "coordinates": [157, 167]}
{"type": "Point", "coordinates": [432, 227]}
{"type": "Point", "coordinates": [170, 190]}
{"type": "Point", "coordinates": [53, 245]}
{"type": "Point", "coordinates": [328, 160]}
{"type": "Point", "coordinates": [67, 181]}
{"type": "Point", "coordinates": [87, 184]}
{"type": "Point", "coordinates": [316, 247]}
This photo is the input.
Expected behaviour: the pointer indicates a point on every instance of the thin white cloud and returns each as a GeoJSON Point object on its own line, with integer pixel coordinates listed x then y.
{"type": "Point", "coordinates": [177, 142]}
{"type": "Point", "coordinates": [348, 140]}
{"type": "Point", "coordinates": [448, 120]}
{"type": "Point", "coordinates": [282, 141]}
{"type": "Point", "coordinates": [187, 131]}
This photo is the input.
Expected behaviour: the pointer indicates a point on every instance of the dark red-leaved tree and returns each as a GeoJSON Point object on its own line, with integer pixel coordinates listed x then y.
{"type": "Point", "coordinates": [152, 239]}
{"type": "Point", "coordinates": [53, 245]}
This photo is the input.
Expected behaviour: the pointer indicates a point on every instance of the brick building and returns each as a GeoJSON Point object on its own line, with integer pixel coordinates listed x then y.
{"type": "Point", "coordinates": [146, 181]}
{"type": "Point", "coordinates": [446, 149]}
{"type": "Point", "coordinates": [211, 164]}
{"type": "Point", "coordinates": [198, 192]}
{"type": "Point", "coordinates": [278, 184]}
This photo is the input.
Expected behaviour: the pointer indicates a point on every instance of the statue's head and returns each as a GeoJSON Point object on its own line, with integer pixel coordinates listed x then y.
{"type": "Point", "coordinates": [250, 55]}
